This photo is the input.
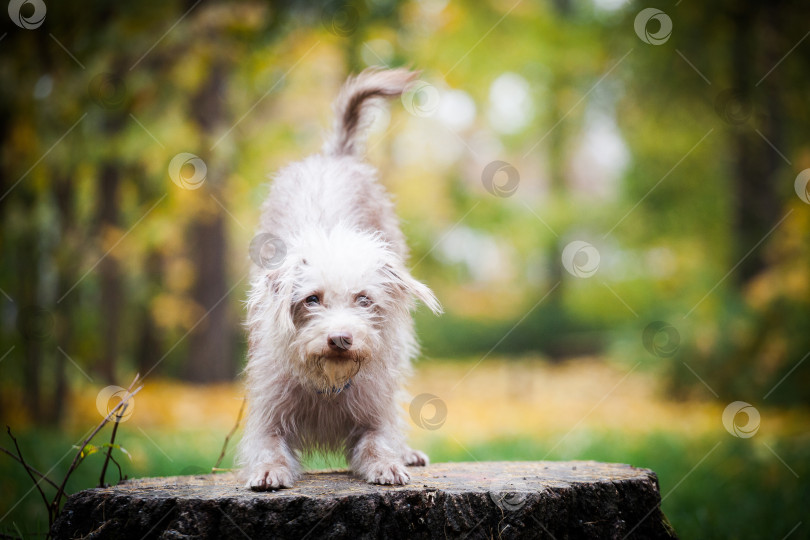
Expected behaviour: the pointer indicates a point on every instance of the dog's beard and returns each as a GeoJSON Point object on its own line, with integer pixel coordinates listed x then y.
{"type": "Point", "coordinates": [331, 373]}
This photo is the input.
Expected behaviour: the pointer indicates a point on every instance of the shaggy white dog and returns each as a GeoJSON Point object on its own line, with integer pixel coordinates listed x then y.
{"type": "Point", "coordinates": [331, 333]}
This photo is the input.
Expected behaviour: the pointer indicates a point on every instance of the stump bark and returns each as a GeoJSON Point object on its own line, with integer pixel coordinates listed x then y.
{"type": "Point", "coordinates": [572, 500]}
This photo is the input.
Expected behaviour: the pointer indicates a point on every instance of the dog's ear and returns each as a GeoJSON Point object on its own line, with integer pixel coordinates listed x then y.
{"type": "Point", "coordinates": [398, 278]}
{"type": "Point", "coordinates": [280, 285]}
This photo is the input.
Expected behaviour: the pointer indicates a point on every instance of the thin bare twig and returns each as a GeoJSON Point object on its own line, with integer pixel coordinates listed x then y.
{"type": "Point", "coordinates": [60, 492]}
{"type": "Point", "coordinates": [28, 470]}
{"type": "Point", "coordinates": [33, 470]}
{"type": "Point", "coordinates": [228, 437]}
{"type": "Point", "coordinates": [120, 473]}
{"type": "Point", "coordinates": [110, 449]}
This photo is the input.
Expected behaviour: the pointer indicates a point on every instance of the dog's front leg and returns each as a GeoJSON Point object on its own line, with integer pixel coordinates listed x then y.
{"type": "Point", "coordinates": [415, 458]}
{"type": "Point", "coordinates": [272, 464]}
{"type": "Point", "coordinates": [377, 460]}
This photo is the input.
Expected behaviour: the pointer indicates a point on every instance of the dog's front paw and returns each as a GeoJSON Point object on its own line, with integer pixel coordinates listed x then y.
{"type": "Point", "coordinates": [387, 473]}
{"type": "Point", "coordinates": [415, 458]}
{"type": "Point", "coordinates": [265, 476]}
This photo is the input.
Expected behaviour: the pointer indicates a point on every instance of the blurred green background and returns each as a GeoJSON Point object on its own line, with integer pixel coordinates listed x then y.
{"type": "Point", "coordinates": [635, 263]}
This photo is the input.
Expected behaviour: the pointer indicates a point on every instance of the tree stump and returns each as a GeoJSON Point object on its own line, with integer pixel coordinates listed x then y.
{"type": "Point", "coordinates": [575, 499]}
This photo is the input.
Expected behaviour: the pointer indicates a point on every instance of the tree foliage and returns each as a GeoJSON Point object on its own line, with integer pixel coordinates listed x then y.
{"type": "Point", "coordinates": [676, 161]}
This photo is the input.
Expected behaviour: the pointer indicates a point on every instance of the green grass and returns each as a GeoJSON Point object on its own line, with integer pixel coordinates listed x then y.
{"type": "Point", "coordinates": [736, 489]}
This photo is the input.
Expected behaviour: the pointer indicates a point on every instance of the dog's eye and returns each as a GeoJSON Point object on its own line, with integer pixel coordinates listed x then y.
{"type": "Point", "coordinates": [363, 301]}
{"type": "Point", "coordinates": [312, 300]}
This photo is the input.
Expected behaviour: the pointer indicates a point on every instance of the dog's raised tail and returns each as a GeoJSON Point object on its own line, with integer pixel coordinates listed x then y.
{"type": "Point", "coordinates": [352, 107]}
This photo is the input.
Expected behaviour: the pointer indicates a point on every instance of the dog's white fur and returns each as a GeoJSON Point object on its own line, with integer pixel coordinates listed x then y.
{"type": "Point", "coordinates": [344, 246]}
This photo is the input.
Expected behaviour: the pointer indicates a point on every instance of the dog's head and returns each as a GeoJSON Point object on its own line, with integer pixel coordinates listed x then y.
{"type": "Point", "coordinates": [338, 297]}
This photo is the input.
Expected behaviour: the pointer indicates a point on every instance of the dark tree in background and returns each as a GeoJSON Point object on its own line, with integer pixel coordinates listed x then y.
{"type": "Point", "coordinates": [211, 347]}
{"type": "Point", "coordinates": [757, 96]}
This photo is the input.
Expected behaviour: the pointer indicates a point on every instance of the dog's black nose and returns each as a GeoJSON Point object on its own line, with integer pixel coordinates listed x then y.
{"type": "Point", "coordinates": [342, 341]}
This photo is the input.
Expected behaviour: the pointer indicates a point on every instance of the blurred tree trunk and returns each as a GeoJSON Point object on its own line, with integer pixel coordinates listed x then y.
{"type": "Point", "coordinates": [211, 348]}
{"type": "Point", "coordinates": [5, 127]}
{"type": "Point", "coordinates": [67, 249]}
{"type": "Point", "coordinates": [109, 272]}
{"type": "Point", "coordinates": [28, 300]}
{"type": "Point", "coordinates": [149, 348]}
{"type": "Point", "coordinates": [29, 269]}
{"type": "Point", "coordinates": [5, 119]}
{"type": "Point", "coordinates": [756, 164]}
{"type": "Point", "coordinates": [210, 354]}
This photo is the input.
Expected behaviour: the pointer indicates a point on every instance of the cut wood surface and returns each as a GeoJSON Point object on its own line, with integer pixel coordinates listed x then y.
{"type": "Point", "coordinates": [575, 499]}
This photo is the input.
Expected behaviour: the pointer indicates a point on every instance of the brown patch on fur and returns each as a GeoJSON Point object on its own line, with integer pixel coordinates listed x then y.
{"type": "Point", "coordinates": [351, 118]}
{"type": "Point", "coordinates": [352, 105]}
{"type": "Point", "coordinates": [299, 314]}
{"type": "Point", "coordinates": [336, 372]}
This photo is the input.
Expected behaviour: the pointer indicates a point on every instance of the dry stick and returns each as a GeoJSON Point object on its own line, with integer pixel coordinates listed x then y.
{"type": "Point", "coordinates": [33, 470]}
{"type": "Point", "coordinates": [228, 437]}
{"type": "Point", "coordinates": [61, 490]}
{"type": "Point", "coordinates": [110, 449]}
{"type": "Point", "coordinates": [28, 470]}
{"type": "Point", "coordinates": [120, 473]}
{"type": "Point", "coordinates": [78, 457]}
